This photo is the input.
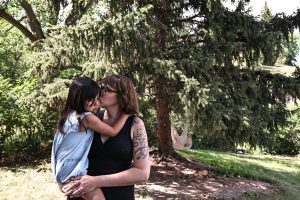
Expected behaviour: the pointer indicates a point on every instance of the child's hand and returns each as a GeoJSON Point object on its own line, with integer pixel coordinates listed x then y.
{"type": "Point", "coordinates": [96, 111]}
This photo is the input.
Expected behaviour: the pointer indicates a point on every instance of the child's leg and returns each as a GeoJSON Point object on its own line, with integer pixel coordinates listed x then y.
{"type": "Point", "coordinates": [95, 194]}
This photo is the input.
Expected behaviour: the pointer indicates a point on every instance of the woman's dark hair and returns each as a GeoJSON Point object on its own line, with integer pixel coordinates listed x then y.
{"type": "Point", "coordinates": [81, 90]}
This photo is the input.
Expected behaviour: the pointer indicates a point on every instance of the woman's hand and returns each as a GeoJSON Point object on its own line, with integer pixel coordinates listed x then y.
{"type": "Point", "coordinates": [79, 186]}
{"type": "Point", "coordinates": [70, 187]}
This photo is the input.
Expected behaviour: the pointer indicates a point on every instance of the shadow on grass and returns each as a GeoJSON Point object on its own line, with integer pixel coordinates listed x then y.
{"type": "Point", "coordinates": [237, 165]}
{"type": "Point", "coordinates": [186, 179]}
{"type": "Point", "coordinates": [21, 161]}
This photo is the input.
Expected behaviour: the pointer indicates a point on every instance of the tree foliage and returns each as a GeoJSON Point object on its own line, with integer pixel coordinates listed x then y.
{"type": "Point", "coordinates": [266, 14]}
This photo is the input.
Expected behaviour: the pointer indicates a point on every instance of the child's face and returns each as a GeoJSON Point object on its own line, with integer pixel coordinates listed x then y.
{"type": "Point", "coordinates": [92, 105]}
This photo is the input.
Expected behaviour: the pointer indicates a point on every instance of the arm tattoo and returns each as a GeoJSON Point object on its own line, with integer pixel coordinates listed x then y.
{"type": "Point", "coordinates": [140, 143]}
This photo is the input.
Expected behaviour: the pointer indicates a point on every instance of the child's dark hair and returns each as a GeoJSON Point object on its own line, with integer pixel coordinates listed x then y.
{"type": "Point", "coordinates": [81, 90]}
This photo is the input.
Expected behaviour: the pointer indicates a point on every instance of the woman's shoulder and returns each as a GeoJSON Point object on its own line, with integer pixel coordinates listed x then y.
{"type": "Point", "coordinates": [137, 121]}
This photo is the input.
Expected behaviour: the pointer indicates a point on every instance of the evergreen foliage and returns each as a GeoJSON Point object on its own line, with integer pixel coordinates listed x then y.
{"type": "Point", "coordinates": [291, 50]}
{"type": "Point", "coordinates": [266, 14]}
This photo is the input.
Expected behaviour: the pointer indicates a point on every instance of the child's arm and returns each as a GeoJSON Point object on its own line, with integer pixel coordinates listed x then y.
{"type": "Point", "coordinates": [94, 194]}
{"type": "Point", "coordinates": [93, 122]}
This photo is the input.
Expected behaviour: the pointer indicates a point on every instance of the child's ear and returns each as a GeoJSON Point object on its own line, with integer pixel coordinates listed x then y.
{"type": "Point", "coordinates": [88, 103]}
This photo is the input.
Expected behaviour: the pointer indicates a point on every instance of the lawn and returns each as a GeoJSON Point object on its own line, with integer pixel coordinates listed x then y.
{"type": "Point", "coordinates": [282, 171]}
{"type": "Point", "coordinates": [30, 182]}
{"type": "Point", "coordinates": [35, 181]}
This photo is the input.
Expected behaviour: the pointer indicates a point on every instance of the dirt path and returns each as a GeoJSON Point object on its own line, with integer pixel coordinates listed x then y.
{"type": "Point", "coordinates": [185, 179]}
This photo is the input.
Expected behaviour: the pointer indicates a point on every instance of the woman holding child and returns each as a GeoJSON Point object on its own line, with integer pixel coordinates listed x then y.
{"type": "Point", "coordinates": [116, 163]}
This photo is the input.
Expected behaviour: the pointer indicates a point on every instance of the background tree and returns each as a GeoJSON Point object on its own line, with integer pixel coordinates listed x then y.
{"type": "Point", "coordinates": [272, 46]}
{"type": "Point", "coordinates": [266, 14]}
{"type": "Point", "coordinates": [291, 50]}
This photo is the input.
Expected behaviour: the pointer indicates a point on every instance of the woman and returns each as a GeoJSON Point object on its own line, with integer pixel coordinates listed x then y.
{"type": "Point", "coordinates": [75, 131]}
{"type": "Point", "coordinates": [116, 164]}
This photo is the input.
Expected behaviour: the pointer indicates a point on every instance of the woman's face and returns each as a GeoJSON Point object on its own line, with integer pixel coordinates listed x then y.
{"type": "Point", "coordinates": [109, 96]}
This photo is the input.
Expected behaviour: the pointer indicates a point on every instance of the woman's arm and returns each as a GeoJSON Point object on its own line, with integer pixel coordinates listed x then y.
{"type": "Point", "coordinates": [93, 122]}
{"type": "Point", "coordinates": [139, 172]}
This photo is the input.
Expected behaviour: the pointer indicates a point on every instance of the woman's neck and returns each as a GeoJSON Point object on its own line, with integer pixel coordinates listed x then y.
{"type": "Point", "coordinates": [113, 113]}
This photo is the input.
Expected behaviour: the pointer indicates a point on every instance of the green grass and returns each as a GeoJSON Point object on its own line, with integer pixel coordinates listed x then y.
{"type": "Point", "coordinates": [28, 182]}
{"type": "Point", "coordinates": [35, 181]}
{"type": "Point", "coordinates": [31, 182]}
{"type": "Point", "coordinates": [284, 69]}
{"type": "Point", "coordinates": [282, 171]}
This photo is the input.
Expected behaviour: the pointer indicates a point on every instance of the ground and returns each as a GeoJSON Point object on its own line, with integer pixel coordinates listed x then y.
{"type": "Point", "coordinates": [182, 178]}
{"type": "Point", "coordinates": [171, 178]}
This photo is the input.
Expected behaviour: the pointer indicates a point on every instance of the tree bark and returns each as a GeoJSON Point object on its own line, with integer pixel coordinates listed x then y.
{"type": "Point", "coordinates": [162, 103]}
{"type": "Point", "coordinates": [163, 121]}
{"type": "Point", "coordinates": [18, 25]}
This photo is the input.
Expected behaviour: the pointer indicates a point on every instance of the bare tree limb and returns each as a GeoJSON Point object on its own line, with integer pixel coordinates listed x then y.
{"type": "Point", "coordinates": [18, 25]}
{"type": "Point", "coordinates": [34, 23]}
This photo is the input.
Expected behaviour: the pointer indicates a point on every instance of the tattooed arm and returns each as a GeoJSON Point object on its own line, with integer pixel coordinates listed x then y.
{"type": "Point", "coordinates": [140, 148]}
{"type": "Point", "coordinates": [139, 172]}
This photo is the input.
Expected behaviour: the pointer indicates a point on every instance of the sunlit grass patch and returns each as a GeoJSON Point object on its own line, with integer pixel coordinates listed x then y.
{"type": "Point", "coordinates": [280, 170]}
{"type": "Point", "coordinates": [28, 182]}
{"type": "Point", "coordinates": [33, 182]}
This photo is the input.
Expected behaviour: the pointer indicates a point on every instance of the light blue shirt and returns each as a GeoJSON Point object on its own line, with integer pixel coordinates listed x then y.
{"type": "Point", "coordinates": [69, 156]}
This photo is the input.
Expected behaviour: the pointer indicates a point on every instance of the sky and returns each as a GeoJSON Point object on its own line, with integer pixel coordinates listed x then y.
{"type": "Point", "coordinates": [276, 6]}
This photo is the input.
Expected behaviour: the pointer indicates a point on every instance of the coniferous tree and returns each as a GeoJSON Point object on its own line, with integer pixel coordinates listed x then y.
{"type": "Point", "coordinates": [192, 58]}
{"type": "Point", "coordinates": [272, 46]}
{"type": "Point", "coordinates": [266, 14]}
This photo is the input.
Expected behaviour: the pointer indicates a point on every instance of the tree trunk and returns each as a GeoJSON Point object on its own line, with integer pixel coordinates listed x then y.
{"type": "Point", "coordinates": [162, 104]}
{"type": "Point", "coordinates": [163, 121]}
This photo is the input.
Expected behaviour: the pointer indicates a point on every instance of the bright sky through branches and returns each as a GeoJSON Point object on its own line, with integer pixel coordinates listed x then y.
{"type": "Point", "coordinates": [276, 6]}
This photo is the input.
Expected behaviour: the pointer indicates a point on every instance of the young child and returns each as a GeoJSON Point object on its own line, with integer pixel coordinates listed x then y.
{"type": "Point", "coordinates": [75, 129]}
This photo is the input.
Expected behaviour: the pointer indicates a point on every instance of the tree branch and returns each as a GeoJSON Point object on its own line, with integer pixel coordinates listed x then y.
{"type": "Point", "coordinates": [18, 25]}
{"type": "Point", "coordinates": [78, 10]}
{"type": "Point", "coordinates": [55, 6]}
{"type": "Point", "coordinates": [34, 23]}
{"type": "Point", "coordinates": [22, 18]}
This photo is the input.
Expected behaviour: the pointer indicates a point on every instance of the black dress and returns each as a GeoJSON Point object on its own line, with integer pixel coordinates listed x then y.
{"type": "Point", "coordinates": [113, 156]}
